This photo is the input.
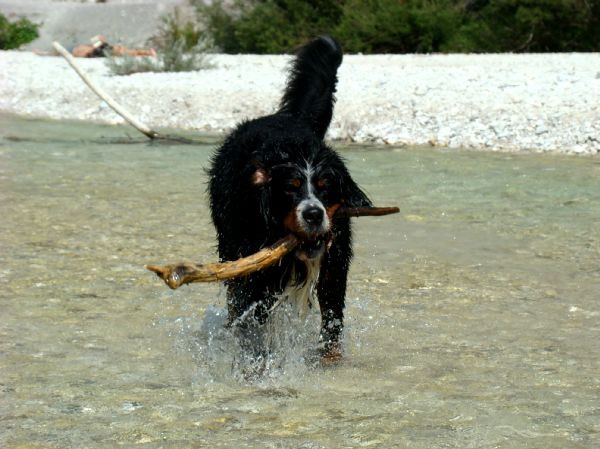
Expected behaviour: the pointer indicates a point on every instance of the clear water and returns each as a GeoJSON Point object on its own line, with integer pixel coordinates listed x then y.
{"type": "Point", "coordinates": [472, 318]}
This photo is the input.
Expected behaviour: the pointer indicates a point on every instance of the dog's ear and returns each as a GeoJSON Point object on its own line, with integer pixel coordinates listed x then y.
{"type": "Point", "coordinates": [260, 175]}
{"type": "Point", "coordinates": [353, 196]}
{"type": "Point", "coordinates": [311, 84]}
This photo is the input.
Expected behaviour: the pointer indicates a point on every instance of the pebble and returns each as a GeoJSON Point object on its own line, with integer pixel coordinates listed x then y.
{"type": "Point", "coordinates": [499, 102]}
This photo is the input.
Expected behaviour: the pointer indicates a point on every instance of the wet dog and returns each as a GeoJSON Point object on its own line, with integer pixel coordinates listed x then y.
{"type": "Point", "coordinates": [274, 176]}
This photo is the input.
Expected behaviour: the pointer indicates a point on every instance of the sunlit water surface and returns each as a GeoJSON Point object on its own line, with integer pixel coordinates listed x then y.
{"type": "Point", "coordinates": [472, 318]}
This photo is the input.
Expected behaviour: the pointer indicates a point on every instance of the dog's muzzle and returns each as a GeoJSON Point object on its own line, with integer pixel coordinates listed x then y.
{"type": "Point", "coordinates": [315, 230]}
{"type": "Point", "coordinates": [313, 216]}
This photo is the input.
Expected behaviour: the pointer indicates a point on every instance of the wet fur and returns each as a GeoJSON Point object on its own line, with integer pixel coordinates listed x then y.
{"type": "Point", "coordinates": [254, 199]}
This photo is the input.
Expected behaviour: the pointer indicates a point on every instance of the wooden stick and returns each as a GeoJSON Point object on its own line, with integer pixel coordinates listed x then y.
{"type": "Point", "coordinates": [366, 211]}
{"type": "Point", "coordinates": [104, 96]}
{"type": "Point", "coordinates": [178, 274]}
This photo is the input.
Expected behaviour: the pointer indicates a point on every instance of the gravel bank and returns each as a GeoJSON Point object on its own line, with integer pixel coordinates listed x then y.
{"type": "Point", "coordinates": [529, 102]}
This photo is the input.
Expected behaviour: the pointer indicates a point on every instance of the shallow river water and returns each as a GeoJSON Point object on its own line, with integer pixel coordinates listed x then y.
{"type": "Point", "coordinates": [472, 321]}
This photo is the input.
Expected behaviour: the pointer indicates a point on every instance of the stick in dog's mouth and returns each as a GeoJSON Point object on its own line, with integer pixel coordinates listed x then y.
{"type": "Point", "coordinates": [178, 274]}
{"type": "Point", "coordinates": [312, 248]}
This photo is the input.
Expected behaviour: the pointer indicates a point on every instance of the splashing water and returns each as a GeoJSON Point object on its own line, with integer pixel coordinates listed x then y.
{"type": "Point", "coordinates": [284, 346]}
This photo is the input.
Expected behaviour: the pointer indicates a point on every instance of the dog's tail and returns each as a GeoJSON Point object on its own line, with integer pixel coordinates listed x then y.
{"type": "Point", "coordinates": [311, 83]}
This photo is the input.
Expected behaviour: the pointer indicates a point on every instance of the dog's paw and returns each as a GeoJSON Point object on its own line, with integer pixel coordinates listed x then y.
{"type": "Point", "coordinates": [332, 354]}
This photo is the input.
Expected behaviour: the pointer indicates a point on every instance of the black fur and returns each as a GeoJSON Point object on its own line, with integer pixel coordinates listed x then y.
{"type": "Point", "coordinates": [259, 184]}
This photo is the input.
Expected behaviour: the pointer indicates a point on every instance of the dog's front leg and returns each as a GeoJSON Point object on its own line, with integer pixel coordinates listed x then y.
{"type": "Point", "coordinates": [248, 299]}
{"type": "Point", "coordinates": [331, 288]}
{"type": "Point", "coordinates": [248, 302]}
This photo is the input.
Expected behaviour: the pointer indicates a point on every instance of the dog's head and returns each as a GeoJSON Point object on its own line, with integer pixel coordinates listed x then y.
{"type": "Point", "coordinates": [301, 191]}
{"type": "Point", "coordinates": [305, 197]}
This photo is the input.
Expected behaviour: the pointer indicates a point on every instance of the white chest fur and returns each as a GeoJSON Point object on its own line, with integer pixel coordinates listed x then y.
{"type": "Point", "coordinates": [303, 296]}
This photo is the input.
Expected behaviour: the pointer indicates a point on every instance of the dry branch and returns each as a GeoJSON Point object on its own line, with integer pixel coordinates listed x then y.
{"type": "Point", "coordinates": [178, 274]}
{"type": "Point", "coordinates": [104, 96]}
{"type": "Point", "coordinates": [367, 211]}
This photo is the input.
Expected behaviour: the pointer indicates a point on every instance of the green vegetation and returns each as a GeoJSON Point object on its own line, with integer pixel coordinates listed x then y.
{"type": "Point", "coordinates": [181, 47]}
{"type": "Point", "coordinates": [388, 26]}
{"type": "Point", "coordinates": [405, 26]}
{"type": "Point", "coordinates": [536, 26]}
{"type": "Point", "coordinates": [15, 34]}
{"type": "Point", "coordinates": [268, 26]}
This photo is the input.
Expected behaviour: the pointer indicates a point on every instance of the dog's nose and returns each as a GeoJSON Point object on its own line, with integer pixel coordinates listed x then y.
{"type": "Point", "coordinates": [313, 215]}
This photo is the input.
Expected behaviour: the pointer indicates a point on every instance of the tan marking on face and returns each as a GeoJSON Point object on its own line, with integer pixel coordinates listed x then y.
{"type": "Point", "coordinates": [291, 223]}
{"type": "Point", "coordinates": [331, 210]}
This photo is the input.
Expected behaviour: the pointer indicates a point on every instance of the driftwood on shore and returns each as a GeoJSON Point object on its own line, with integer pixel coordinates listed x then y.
{"type": "Point", "coordinates": [153, 135]}
{"type": "Point", "coordinates": [141, 127]}
{"type": "Point", "coordinates": [178, 274]}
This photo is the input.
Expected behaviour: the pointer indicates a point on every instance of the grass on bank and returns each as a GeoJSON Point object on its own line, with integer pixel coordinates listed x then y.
{"type": "Point", "coordinates": [17, 33]}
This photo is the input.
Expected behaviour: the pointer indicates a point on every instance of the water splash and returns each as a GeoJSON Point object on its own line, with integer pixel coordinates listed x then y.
{"type": "Point", "coordinates": [283, 347]}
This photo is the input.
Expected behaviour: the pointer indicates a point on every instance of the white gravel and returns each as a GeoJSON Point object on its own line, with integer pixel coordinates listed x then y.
{"type": "Point", "coordinates": [500, 102]}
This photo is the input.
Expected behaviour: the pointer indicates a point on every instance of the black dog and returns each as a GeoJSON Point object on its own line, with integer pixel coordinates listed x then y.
{"type": "Point", "coordinates": [273, 176]}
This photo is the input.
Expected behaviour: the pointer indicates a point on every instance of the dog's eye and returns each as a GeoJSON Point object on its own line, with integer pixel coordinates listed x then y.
{"type": "Point", "coordinates": [293, 184]}
{"type": "Point", "coordinates": [322, 183]}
